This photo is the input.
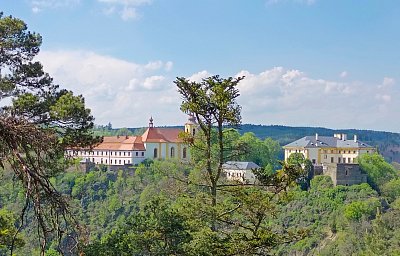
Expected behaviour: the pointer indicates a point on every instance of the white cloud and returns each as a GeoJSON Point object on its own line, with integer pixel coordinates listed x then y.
{"type": "Point", "coordinates": [127, 9]}
{"type": "Point", "coordinates": [290, 97]}
{"type": "Point", "coordinates": [122, 92]}
{"type": "Point", "coordinates": [197, 77]}
{"type": "Point", "coordinates": [129, 13]}
{"type": "Point", "coordinates": [127, 93]}
{"type": "Point", "coordinates": [343, 74]}
{"type": "Point", "coordinates": [387, 83]}
{"type": "Point", "coordinates": [39, 5]}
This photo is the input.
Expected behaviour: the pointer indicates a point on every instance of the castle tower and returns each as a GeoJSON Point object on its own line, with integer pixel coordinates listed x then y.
{"type": "Point", "coordinates": [191, 125]}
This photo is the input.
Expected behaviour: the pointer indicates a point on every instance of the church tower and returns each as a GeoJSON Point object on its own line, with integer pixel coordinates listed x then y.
{"type": "Point", "coordinates": [191, 125]}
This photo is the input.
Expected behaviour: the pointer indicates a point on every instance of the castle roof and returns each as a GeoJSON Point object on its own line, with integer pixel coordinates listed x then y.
{"type": "Point", "coordinates": [155, 134]}
{"type": "Point", "coordinates": [326, 142]}
{"type": "Point", "coordinates": [121, 143]}
{"type": "Point", "coordinates": [234, 165]}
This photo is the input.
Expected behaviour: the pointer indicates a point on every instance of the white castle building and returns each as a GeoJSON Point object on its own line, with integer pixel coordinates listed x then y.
{"type": "Point", "coordinates": [329, 150]}
{"type": "Point", "coordinates": [154, 143]}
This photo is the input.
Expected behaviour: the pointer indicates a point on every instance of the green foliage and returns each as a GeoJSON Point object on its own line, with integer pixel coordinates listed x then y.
{"type": "Point", "coordinates": [7, 232]}
{"type": "Point", "coordinates": [156, 230]}
{"type": "Point", "coordinates": [38, 121]}
{"type": "Point", "coordinates": [377, 169]}
{"type": "Point", "coordinates": [358, 209]}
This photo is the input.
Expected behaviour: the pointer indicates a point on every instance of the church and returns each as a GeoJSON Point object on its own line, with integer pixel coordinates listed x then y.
{"type": "Point", "coordinates": [155, 143]}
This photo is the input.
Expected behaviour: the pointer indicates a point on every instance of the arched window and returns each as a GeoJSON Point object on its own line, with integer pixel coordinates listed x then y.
{"type": "Point", "coordinates": [155, 153]}
{"type": "Point", "coordinates": [172, 152]}
{"type": "Point", "coordinates": [184, 153]}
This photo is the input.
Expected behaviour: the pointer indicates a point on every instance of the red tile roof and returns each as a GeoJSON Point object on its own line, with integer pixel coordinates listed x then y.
{"type": "Point", "coordinates": [152, 134]}
{"type": "Point", "coordinates": [121, 143]}
{"type": "Point", "coordinates": [155, 134]}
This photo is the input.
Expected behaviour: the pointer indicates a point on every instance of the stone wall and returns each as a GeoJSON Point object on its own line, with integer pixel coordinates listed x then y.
{"type": "Point", "coordinates": [345, 174]}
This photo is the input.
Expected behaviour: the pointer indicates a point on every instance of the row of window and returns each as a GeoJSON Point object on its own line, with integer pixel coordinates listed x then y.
{"type": "Point", "coordinates": [104, 153]}
{"type": "Point", "coordinates": [171, 153]}
{"type": "Point", "coordinates": [112, 161]}
{"type": "Point", "coordinates": [340, 151]}
{"type": "Point", "coordinates": [340, 160]}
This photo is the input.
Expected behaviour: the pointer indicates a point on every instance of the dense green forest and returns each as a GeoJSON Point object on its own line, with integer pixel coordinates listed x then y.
{"type": "Point", "coordinates": [151, 211]}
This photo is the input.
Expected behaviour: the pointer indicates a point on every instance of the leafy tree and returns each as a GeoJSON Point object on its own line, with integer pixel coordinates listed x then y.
{"type": "Point", "coordinates": [228, 217]}
{"type": "Point", "coordinates": [378, 170]}
{"type": "Point", "coordinates": [156, 230]}
{"type": "Point", "coordinates": [213, 103]}
{"type": "Point", "coordinates": [36, 128]}
{"type": "Point", "coordinates": [8, 232]}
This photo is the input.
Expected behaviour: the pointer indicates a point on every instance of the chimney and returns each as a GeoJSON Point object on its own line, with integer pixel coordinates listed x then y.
{"type": "Point", "coordinates": [355, 137]}
{"type": "Point", "coordinates": [344, 136]}
{"type": "Point", "coordinates": [338, 135]}
{"type": "Point", "coordinates": [316, 136]}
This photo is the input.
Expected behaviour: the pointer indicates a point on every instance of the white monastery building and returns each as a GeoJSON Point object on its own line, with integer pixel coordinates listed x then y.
{"type": "Point", "coordinates": [154, 143]}
{"type": "Point", "coordinates": [329, 150]}
{"type": "Point", "coordinates": [240, 171]}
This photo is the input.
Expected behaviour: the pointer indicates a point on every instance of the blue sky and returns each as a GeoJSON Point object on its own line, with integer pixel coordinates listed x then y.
{"type": "Point", "coordinates": [307, 62]}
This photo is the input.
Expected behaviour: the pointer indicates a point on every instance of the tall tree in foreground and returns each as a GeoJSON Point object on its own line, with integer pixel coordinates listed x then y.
{"type": "Point", "coordinates": [213, 103]}
{"type": "Point", "coordinates": [237, 213]}
{"type": "Point", "coordinates": [38, 121]}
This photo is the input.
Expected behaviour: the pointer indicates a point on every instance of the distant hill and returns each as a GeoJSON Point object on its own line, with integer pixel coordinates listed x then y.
{"type": "Point", "coordinates": [388, 143]}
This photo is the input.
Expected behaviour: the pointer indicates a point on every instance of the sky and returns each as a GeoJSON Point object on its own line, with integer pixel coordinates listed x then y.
{"type": "Point", "coordinates": [324, 63]}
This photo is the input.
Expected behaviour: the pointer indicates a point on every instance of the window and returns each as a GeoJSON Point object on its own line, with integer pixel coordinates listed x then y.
{"type": "Point", "coordinates": [101, 152]}
{"type": "Point", "coordinates": [338, 160]}
{"type": "Point", "coordinates": [119, 161]}
{"type": "Point", "coordinates": [325, 156]}
{"type": "Point", "coordinates": [106, 160]}
{"type": "Point", "coordinates": [129, 153]}
{"type": "Point", "coordinates": [194, 131]}
{"type": "Point", "coordinates": [155, 155]}
{"type": "Point", "coordinates": [354, 152]}
{"type": "Point", "coordinates": [172, 152]}
{"type": "Point", "coordinates": [142, 153]}
{"type": "Point", "coordinates": [346, 172]}
{"type": "Point", "coordinates": [93, 159]}
{"type": "Point", "coordinates": [97, 152]}
{"type": "Point", "coordinates": [313, 161]}
{"type": "Point", "coordinates": [129, 161]}
{"type": "Point", "coordinates": [119, 153]}
{"type": "Point", "coordinates": [111, 153]}
{"type": "Point", "coordinates": [344, 160]}
{"type": "Point", "coordinates": [332, 160]}
{"type": "Point", "coordinates": [137, 153]}
{"type": "Point", "coordinates": [124, 153]}
{"type": "Point", "coordinates": [106, 152]}
{"type": "Point", "coordinates": [184, 153]}
{"type": "Point", "coordinates": [101, 160]}
{"type": "Point", "coordinates": [349, 160]}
